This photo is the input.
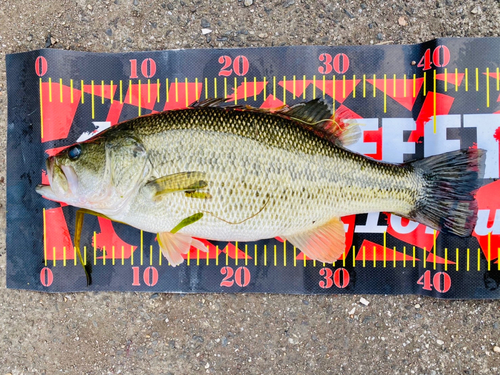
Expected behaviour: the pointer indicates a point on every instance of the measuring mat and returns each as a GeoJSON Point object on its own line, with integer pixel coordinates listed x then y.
{"type": "Point", "coordinates": [412, 101]}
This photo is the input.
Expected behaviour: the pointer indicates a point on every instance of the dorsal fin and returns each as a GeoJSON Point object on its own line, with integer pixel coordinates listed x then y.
{"type": "Point", "coordinates": [314, 115]}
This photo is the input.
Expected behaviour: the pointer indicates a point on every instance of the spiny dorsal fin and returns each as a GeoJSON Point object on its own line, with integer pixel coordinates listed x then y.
{"type": "Point", "coordinates": [314, 115]}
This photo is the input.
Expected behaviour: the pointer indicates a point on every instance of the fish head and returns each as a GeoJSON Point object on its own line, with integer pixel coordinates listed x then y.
{"type": "Point", "coordinates": [98, 175]}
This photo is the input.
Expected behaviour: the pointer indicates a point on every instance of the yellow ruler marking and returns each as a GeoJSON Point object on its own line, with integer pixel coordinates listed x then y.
{"type": "Point", "coordinates": [488, 87]}
{"type": "Point", "coordinates": [274, 87]}
{"type": "Point", "coordinates": [225, 87]}
{"type": "Point", "coordinates": [123, 256]}
{"type": "Point", "coordinates": [64, 256]}
{"type": "Point", "coordinates": [245, 88]}
{"type": "Point", "coordinates": [215, 87]}
{"type": "Point", "coordinates": [434, 99]}
{"type": "Point", "coordinates": [139, 97]}
{"type": "Point", "coordinates": [324, 86]}
{"type": "Point", "coordinates": [255, 88]}
{"type": "Point", "coordinates": [54, 256]}
{"type": "Point", "coordinates": [236, 253]}
{"type": "Point", "coordinates": [364, 256]}
{"type": "Point", "coordinates": [385, 244]}
{"type": "Point", "coordinates": [206, 255]}
{"type": "Point", "coordinates": [425, 257]}
{"type": "Point", "coordinates": [186, 95]}
{"type": "Point", "coordinates": [74, 255]}
{"type": "Point", "coordinates": [121, 91]}
{"type": "Point", "coordinates": [113, 255]}
{"type": "Point", "coordinates": [265, 255]}
{"type": "Point", "coordinates": [95, 249]}
{"type": "Point", "coordinates": [60, 90]}
{"type": "Point", "coordinates": [131, 255]}
{"type": "Point", "coordinates": [188, 261]}
{"type": "Point", "coordinates": [343, 257]}
{"type": "Point", "coordinates": [304, 87]}
{"type": "Point", "coordinates": [265, 84]}
{"type": "Point", "coordinates": [434, 237]}
{"type": "Point", "coordinates": [167, 89]}
{"type": "Point", "coordinates": [353, 86]}
{"type": "Point", "coordinates": [157, 90]}
{"type": "Point", "coordinates": [111, 92]}
{"type": "Point", "coordinates": [305, 259]}
{"type": "Point", "coordinates": [255, 255]}
{"type": "Point", "coordinates": [235, 90]}
{"type": "Point", "coordinates": [446, 259]}
{"type": "Point", "coordinates": [456, 79]}
{"type": "Point", "coordinates": [478, 259]}
{"type": "Point", "coordinates": [176, 90]}
{"type": "Point", "coordinates": [83, 91]}
{"type": "Point", "coordinates": [92, 101]}
{"type": "Point", "coordinates": [477, 79]}
{"type": "Point", "coordinates": [343, 86]}
{"type": "Point", "coordinates": [498, 79]}
{"type": "Point", "coordinates": [85, 255]}
{"type": "Point", "coordinates": [284, 254]}
{"type": "Point", "coordinates": [468, 258]}
{"type": "Point", "coordinates": [294, 256]}
{"type": "Point", "coordinates": [374, 85]}
{"type": "Point", "coordinates": [50, 89]}
{"type": "Point", "coordinates": [414, 85]}
{"type": "Point", "coordinates": [414, 257]}
{"type": "Point", "coordinates": [314, 263]}
{"type": "Point", "coordinates": [275, 262]}
{"type": "Point", "coordinates": [217, 255]}
{"type": "Point", "coordinates": [293, 88]}
{"type": "Point", "coordinates": [131, 91]}
{"type": "Point", "coordinates": [466, 79]}
{"type": "Point", "coordinates": [404, 256]}
{"type": "Point", "coordinates": [394, 85]}
{"type": "Point", "coordinates": [445, 79]}
{"type": "Point", "coordinates": [150, 255]}
{"type": "Point", "coordinates": [227, 255]}
{"type": "Point", "coordinates": [489, 251]}
{"type": "Point", "coordinates": [284, 89]}
{"type": "Point", "coordinates": [394, 257]}
{"type": "Point", "coordinates": [404, 85]}
{"type": "Point", "coordinates": [425, 83]}
{"type": "Point", "coordinates": [104, 255]}
{"type": "Point", "coordinates": [246, 255]}
{"type": "Point", "coordinates": [149, 90]}
{"type": "Point", "coordinates": [333, 92]}
{"type": "Point", "coordinates": [314, 86]}
{"type": "Point", "coordinates": [364, 85]}
{"type": "Point", "coordinates": [206, 88]}
{"type": "Point", "coordinates": [142, 246]}
{"type": "Point", "coordinates": [385, 93]}
{"type": "Point", "coordinates": [197, 257]}
{"type": "Point", "coordinates": [71, 90]}
{"type": "Point", "coordinates": [159, 256]}
{"type": "Point", "coordinates": [354, 256]}
{"type": "Point", "coordinates": [102, 92]}
{"type": "Point", "coordinates": [498, 258]}
{"type": "Point", "coordinates": [41, 118]}
{"type": "Point", "coordinates": [374, 256]}
{"type": "Point", "coordinates": [456, 259]}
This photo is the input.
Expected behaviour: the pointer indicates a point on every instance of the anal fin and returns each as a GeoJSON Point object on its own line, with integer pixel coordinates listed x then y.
{"type": "Point", "coordinates": [325, 243]}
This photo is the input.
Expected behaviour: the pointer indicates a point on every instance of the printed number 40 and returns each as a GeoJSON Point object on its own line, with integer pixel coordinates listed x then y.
{"type": "Point", "coordinates": [441, 281]}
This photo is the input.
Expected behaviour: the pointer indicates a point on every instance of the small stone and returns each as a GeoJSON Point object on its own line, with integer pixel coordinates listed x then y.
{"type": "Point", "coordinates": [48, 40]}
{"type": "Point", "coordinates": [417, 306]}
{"type": "Point", "coordinates": [440, 342]}
{"type": "Point", "coordinates": [89, 7]}
{"type": "Point", "coordinates": [247, 3]}
{"type": "Point", "coordinates": [154, 296]}
{"type": "Point", "coordinates": [224, 341]}
{"type": "Point", "coordinates": [476, 10]}
{"type": "Point", "coordinates": [30, 38]}
{"type": "Point", "coordinates": [207, 365]}
{"type": "Point", "coordinates": [349, 14]}
{"type": "Point", "coordinates": [364, 301]}
{"type": "Point", "coordinates": [206, 31]}
{"type": "Point", "coordinates": [288, 3]}
{"type": "Point", "coordinates": [380, 36]}
{"type": "Point", "coordinates": [352, 311]}
{"type": "Point", "coordinates": [208, 38]}
{"type": "Point", "coordinates": [170, 6]}
{"type": "Point", "coordinates": [136, 2]}
{"type": "Point", "coordinates": [305, 302]}
{"type": "Point", "coordinates": [496, 349]}
{"type": "Point", "coordinates": [205, 24]}
{"type": "Point", "coordinates": [263, 35]}
{"type": "Point", "coordinates": [109, 32]}
{"type": "Point", "coordinates": [402, 21]}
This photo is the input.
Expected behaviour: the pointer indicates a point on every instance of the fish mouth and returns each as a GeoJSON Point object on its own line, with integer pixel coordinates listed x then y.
{"type": "Point", "coordinates": [63, 181]}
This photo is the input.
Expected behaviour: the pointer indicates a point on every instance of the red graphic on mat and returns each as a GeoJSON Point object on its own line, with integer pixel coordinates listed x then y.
{"type": "Point", "coordinates": [215, 252]}
{"type": "Point", "coordinates": [411, 233]}
{"type": "Point", "coordinates": [300, 86]}
{"type": "Point", "coordinates": [107, 239]}
{"type": "Point", "coordinates": [405, 92]}
{"type": "Point", "coordinates": [339, 91]}
{"type": "Point", "coordinates": [443, 106]}
{"type": "Point", "coordinates": [451, 78]}
{"type": "Point", "coordinates": [181, 95]}
{"type": "Point", "coordinates": [252, 89]}
{"type": "Point", "coordinates": [372, 251]}
{"type": "Point", "coordinates": [488, 201]}
{"type": "Point", "coordinates": [58, 243]}
{"type": "Point", "coordinates": [57, 110]}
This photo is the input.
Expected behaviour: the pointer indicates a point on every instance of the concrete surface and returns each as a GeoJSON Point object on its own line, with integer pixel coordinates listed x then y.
{"type": "Point", "coordinates": [248, 334]}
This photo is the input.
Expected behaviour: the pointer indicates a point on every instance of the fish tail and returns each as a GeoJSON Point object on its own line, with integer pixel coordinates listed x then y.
{"type": "Point", "coordinates": [446, 201]}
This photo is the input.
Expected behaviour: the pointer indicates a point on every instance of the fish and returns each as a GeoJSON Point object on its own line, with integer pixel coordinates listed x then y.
{"type": "Point", "coordinates": [236, 173]}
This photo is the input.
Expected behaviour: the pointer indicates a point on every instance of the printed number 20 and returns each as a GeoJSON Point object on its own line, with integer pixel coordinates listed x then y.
{"type": "Point", "coordinates": [240, 65]}
{"type": "Point", "coordinates": [241, 276]}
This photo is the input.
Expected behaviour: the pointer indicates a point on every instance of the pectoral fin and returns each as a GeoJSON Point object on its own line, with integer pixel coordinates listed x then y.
{"type": "Point", "coordinates": [173, 244]}
{"type": "Point", "coordinates": [184, 181]}
{"type": "Point", "coordinates": [325, 243]}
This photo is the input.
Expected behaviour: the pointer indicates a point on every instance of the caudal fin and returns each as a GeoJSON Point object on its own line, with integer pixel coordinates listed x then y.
{"type": "Point", "coordinates": [450, 180]}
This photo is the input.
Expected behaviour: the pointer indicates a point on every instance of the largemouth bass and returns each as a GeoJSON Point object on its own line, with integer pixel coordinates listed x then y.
{"type": "Point", "coordinates": [243, 174]}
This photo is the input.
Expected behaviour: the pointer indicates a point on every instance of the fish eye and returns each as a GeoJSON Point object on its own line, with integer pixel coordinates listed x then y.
{"type": "Point", "coordinates": [75, 152]}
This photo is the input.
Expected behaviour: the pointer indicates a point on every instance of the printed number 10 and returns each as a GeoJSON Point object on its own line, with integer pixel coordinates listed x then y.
{"type": "Point", "coordinates": [148, 68]}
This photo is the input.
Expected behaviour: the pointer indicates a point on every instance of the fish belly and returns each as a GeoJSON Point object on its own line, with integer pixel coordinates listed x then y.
{"type": "Point", "coordinates": [258, 191]}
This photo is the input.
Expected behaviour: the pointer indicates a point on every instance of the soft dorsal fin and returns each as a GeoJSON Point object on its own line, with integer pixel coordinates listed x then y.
{"type": "Point", "coordinates": [314, 115]}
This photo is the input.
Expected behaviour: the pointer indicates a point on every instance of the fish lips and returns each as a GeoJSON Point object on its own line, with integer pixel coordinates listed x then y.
{"type": "Point", "coordinates": [63, 181]}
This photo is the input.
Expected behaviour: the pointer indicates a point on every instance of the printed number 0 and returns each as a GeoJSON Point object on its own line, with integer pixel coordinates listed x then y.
{"type": "Point", "coordinates": [46, 276]}
{"type": "Point", "coordinates": [241, 276]}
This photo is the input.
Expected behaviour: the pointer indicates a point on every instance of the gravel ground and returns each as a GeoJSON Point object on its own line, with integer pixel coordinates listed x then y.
{"type": "Point", "coordinates": [262, 334]}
